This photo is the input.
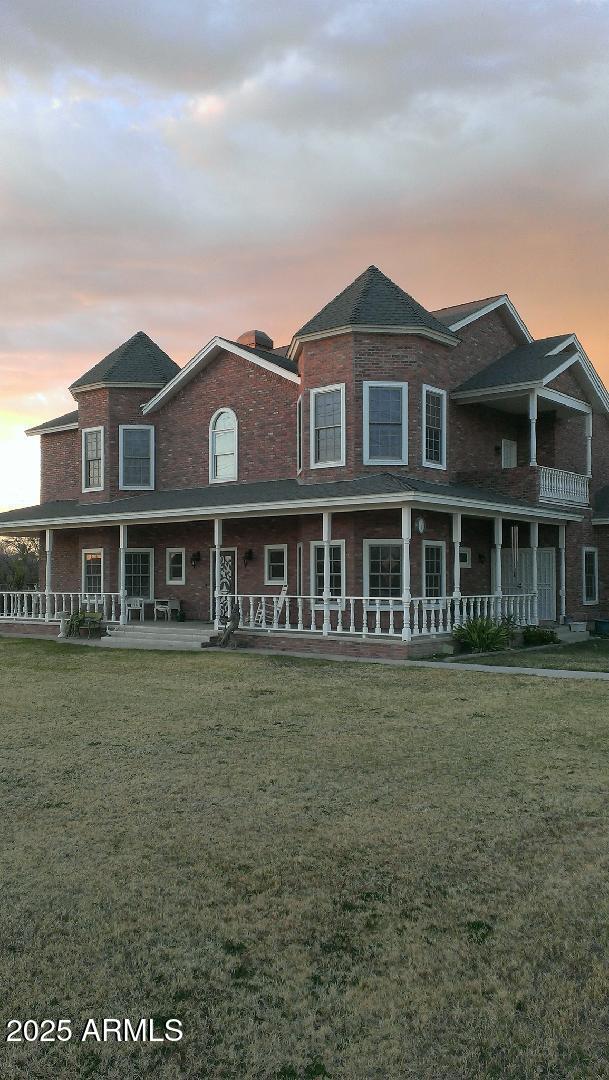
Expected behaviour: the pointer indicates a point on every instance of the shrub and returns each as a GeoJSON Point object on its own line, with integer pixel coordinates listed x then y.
{"type": "Point", "coordinates": [482, 635]}
{"type": "Point", "coordinates": [538, 635]}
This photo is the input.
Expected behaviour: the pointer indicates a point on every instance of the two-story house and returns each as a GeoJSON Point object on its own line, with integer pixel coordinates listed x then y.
{"type": "Point", "coordinates": [390, 473]}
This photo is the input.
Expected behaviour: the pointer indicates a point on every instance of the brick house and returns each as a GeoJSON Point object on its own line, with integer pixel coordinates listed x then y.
{"type": "Point", "coordinates": [388, 474]}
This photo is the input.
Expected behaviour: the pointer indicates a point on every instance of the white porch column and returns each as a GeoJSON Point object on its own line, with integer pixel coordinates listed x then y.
{"type": "Point", "coordinates": [48, 573]}
{"type": "Point", "coordinates": [456, 554]}
{"type": "Point", "coordinates": [326, 536]}
{"type": "Point", "coordinates": [533, 426]}
{"type": "Point", "coordinates": [498, 538]}
{"type": "Point", "coordinates": [217, 569]}
{"type": "Point", "coordinates": [122, 547]}
{"type": "Point", "coordinates": [534, 529]}
{"type": "Point", "coordinates": [562, 570]}
{"type": "Point", "coordinates": [589, 444]}
{"type": "Point", "coordinates": [406, 538]}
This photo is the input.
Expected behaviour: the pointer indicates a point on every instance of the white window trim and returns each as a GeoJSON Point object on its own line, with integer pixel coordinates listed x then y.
{"type": "Point", "coordinates": [335, 603]}
{"type": "Point", "coordinates": [384, 600]}
{"type": "Point", "coordinates": [168, 553]}
{"type": "Point", "coordinates": [130, 427]}
{"type": "Point", "coordinates": [142, 551]}
{"type": "Point", "coordinates": [466, 564]}
{"type": "Point", "coordinates": [90, 551]}
{"type": "Point", "coordinates": [84, 432]}
{"type": "Point", "coordinates": [313, 464]}
{"type": "Point", "coordinates": [590, 603]}
{"type": "Point", "coordinates": [267, 578]}
{"type": "Point", "coordinates": [223, 479]}
{"type": "Point", "coordinates": [403, 459]}
{"type": "Point", "coordinates": [299, 436]}
{"type": "Point", "coordinates": [504, 444]}
{"type": "Point", "coordinates": [434, 390]}
{"type": "Point", "coordinates": [434, 601]}
{"type": "Point", "coordinates": [299, 567]}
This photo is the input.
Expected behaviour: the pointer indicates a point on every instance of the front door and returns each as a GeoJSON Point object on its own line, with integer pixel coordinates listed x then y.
{"type": "Point", "coordinates": [228, 580]}
{"type": "Point", "coordinates": [520, 580]}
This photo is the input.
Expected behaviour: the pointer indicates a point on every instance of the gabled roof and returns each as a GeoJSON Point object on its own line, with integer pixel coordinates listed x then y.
{"type": "Point", "coordinates": [525, 364]}
{"type": "Point", "coordinates": [374, 301]}
{"type": "Point", "coordinates": [264, 358]}
{"type": "Point", "coordinates": [67, 422]}
{"type": "Point", "coordinates": [460, 315]}
{"type": "Point", "coordinates": [137, 362]}
{"type": "Point", "coordinates": [456, 312]}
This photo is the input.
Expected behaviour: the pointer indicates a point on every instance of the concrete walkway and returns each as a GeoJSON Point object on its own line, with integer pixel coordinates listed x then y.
{"type": "Point", "coordinates": [439, 665]}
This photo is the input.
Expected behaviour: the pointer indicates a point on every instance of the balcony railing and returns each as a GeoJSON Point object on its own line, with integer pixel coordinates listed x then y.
{"type": "Point", "coordinates": [559, 485]}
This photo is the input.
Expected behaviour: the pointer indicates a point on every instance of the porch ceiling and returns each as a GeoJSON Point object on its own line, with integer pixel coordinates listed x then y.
{"type": "Point", "coordinates": [287, 497]}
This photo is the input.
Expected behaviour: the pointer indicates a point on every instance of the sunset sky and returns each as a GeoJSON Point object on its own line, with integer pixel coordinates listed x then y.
{"type": "Point", "coordinates": [193, 168]}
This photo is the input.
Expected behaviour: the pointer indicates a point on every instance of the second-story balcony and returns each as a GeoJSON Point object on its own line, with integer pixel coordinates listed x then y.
{"type": "Point", "coordinates": [560, 485]}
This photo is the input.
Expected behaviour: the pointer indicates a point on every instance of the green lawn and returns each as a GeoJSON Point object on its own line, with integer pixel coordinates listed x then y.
{"type": "Point", "coordinates": [355, 872]}
{"type": "Point", "coordinates": [592, 655]}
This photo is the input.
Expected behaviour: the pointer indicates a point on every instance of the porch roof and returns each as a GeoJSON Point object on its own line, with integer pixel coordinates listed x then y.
{"type": "Point", "coordinates": [275, 496]}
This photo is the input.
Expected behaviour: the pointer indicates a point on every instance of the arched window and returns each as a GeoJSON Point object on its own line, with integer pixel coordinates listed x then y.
{"type": "Point", "coordinates": [223, 446]}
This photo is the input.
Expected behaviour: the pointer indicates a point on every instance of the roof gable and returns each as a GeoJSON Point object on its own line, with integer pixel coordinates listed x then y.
{"type": "Point", "coordinates": [460, 315]}
{"type": "Point", "coordinates": [374, 301]}
{"type": "Point", "coordinates": [525, 363]}
{"type": "Point", "coordinates": [67, 422]}
{"type": "Point", "coordinates": [137, 362]}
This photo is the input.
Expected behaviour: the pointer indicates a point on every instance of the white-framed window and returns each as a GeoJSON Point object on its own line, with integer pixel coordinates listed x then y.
{"type": "Point", "coordinates": [327, 426]}
{"type": "Point", "coordinates": [509, 453]}
{"type": "Point", "coordinates": [276, 564]}
{"type": "Point", "coordinates": [590, 575]}
{"type": "Point", "coordinates": [465, 557]}
{"type": "Point", "coordinates": [434, 427]}
{"type": "Point", "coordinates": [136, 457]}
{"type": "Point", "coordinates": [223, 447]}
{"type": "Point", "coordinates": [337, 571]}
{"type": "Point", "coordinates": [434, 569]}
{"type": "Point", "coordinates": [175, 566]}
{"type": "Point", "coordinates": [92, 459]}
{"type": "Point", "coordinates": [385, 415]}
{"type": "Point", "coordinates": [139, 573]}
{"type": "Point", "coordinates": [93, 570]}
{"type": "Point", "coordinates": [383, 564]}
{"type": "Point", "coordinates": [299, 435]}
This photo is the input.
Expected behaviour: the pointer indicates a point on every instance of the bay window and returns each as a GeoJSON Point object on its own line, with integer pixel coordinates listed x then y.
{"type": "Point", "coordinates": [136, 457]}
{"type": "Point", "coordinates": [385, 412]}
{"type": "Point", "coordinates": [434, 427]}
{"type": "Point", "coordinates": [328, 426]}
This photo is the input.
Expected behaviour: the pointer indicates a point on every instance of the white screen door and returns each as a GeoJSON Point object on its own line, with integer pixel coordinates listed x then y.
{"type": "Point", "coordinates": [521, 581]}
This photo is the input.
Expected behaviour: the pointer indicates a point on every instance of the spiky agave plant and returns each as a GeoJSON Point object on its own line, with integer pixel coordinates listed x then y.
{"type": "Point", "coordinates": [481, 635]}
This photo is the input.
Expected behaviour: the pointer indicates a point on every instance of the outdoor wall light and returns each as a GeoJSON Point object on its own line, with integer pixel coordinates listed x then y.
{"type": "Point", "coordinates": [195, 558]}
{"type": "Point", "coordinates": [420, 525]}
{"type": "Point", "coordinates": [248, 556]}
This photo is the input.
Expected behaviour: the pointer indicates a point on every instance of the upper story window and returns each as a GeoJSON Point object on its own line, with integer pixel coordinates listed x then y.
{"type": "Point", "coordinates": [385, 423]}
{"type": "Point", "coordinates": [509, 453]}
{"type": "Point", "coordinates": [299, 435]}
{"type": "Point", "coordinates": [93, 459]}
{"type": "Point", "coordinates": [223, 446]}
{"type": "Point", "coordinates": [328, 426]}
{"type": "Point", "coordinates": [434, 427]}
{"type": "Point", "coordinates": [136, 457]}
{"type": "Point", "coordinates": [590, 575]}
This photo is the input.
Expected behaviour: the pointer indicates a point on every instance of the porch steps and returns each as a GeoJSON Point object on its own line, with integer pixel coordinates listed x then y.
{"type": "Point", "coordinates": [176, 637]}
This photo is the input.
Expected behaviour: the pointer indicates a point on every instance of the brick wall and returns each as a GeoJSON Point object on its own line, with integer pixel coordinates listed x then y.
{"type": "Point", "coordinates": [60, 466]}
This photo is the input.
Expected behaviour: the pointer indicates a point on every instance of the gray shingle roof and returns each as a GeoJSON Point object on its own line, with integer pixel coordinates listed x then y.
{"type": "Point", "coordinates": [59, 421]}
{"type": "Point", "coordinates": [269, 491]}
{"type": "Point", "coordinates": [454, 314]}
{"type": "Point", "coordinates": [273, 357]}
{"type": "Point", "coordinates": [526, 363]}
{"type": "Point", "coordinates": [138, 360]}
{"type": "Point", "coordinates": [373, 300]}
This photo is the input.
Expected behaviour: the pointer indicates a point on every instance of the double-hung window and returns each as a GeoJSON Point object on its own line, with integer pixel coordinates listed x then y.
{"type": "Point", "coordinates": [434, 427]}
{"type": "Point", "coordinates": [337, 570]}
{"type": "Point", "coordinates": [383, 569]}
{"type": "Point", "coordinates": [136, 457]}
{"type": "Point", "coordinates": [590, 575]}
{"type": "Point", "coordinates": [223, 447]}
{"type": "Point", "coordinates": [299, 435]}
{"type": "Point", "coordinates": [385, 413]}
{"type": "Point", "coordinates": [139, 572]}
{"type": "Point", "coordinates": [93, 459]}
{"type": "Point", "coordinates": [175, 566]}
{"type": "Point", "coordinates": [434, 569]}
{"type": "Point", "coordinates": [92, 571]}
{"type": "Point", "coordinates": [276, 564]}
{"type": "Point", "coordinates": [327, 426]}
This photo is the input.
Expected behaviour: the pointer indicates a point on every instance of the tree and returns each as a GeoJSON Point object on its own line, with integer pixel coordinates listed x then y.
{"type": "Point", "coordinates": [19, 566]}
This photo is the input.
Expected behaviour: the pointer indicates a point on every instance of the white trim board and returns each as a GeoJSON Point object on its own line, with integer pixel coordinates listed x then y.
{"type": "Point", "coordinates": [501, 301]}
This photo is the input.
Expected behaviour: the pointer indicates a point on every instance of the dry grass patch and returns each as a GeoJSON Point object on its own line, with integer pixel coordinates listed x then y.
{"type": "Point", "coordinates": [592, 655]}
{"type": "Point", "coordinates": [351, 871]}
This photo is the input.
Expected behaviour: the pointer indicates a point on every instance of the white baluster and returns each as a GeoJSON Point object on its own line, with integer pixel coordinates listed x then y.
{"type": "Point", "coordinates": [300, 623]}
{"type": "Point", "coordinates": [391, 617]}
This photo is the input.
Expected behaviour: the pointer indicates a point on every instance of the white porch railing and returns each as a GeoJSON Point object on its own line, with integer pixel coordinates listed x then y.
{"type": "Point", "coordinates": [369, 617]}
{"type": "Point", "coordinates": [51, 607]}
{"type": "Point", "coordinates": [559, 485]}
